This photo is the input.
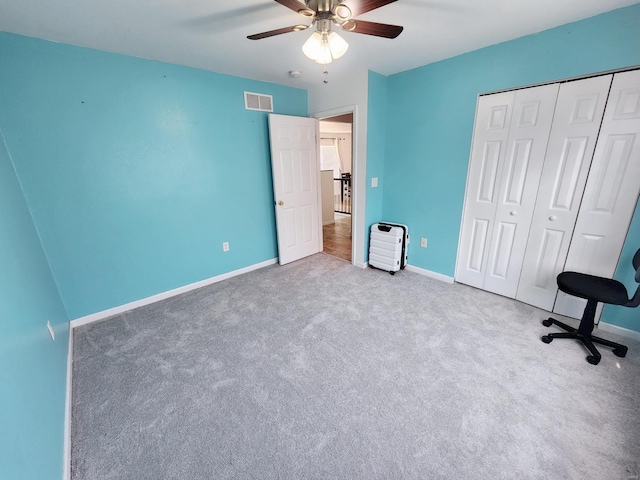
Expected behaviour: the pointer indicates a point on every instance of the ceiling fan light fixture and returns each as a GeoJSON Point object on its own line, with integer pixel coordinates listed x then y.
{"type": "Point", "coordinates": [324, 47]}
{"type": "Point", "coordinates": [338, 45]}
{"type": "Point", "coordinates": [307, 12]}
{"type": "Point", "coordinates": [349, 25]}
{"type": "Point", "coordinates": [311, 48]}
{"type": "Point", "coordinates": [342, 12]}
{"type": "Point", "coordinates": [325, 55]}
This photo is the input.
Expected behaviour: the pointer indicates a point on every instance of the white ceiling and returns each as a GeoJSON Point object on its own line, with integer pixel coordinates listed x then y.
{"type": "Point", "coordinates": [211, 34]}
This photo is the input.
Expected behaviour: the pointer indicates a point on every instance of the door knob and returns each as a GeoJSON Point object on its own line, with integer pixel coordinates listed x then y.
{"type": "Point", "coordinates": [280, 202]}
{"type": "Point", "coordinates": [512, 212]}
{"type": "Point", "coordinates": [552, 218]}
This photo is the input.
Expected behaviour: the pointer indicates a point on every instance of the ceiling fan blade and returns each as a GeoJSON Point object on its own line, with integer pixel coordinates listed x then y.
{"type": "Point", "coordinates": [294, 5]}
{"type": "Point", "coordinates": [358, 7]}
{"type": "Point", "coordinates": [279, 31]}
{"type": "Point", "coordinates": [372, 28]}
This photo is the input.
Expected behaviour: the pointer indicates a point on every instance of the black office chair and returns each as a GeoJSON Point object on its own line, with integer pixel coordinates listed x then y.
{"type": "Point", "coordinates": [593, 289]}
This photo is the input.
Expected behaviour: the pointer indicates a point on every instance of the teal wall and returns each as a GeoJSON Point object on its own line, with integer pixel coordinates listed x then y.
{"type": "Point", "coordinates": [431, 113]}
{"type": "Point", "coordinates": [136, 171]}
{"type": "Point", "coordinates": [376, 123]}
{"type": "Point", "coordinates": [32, 366]}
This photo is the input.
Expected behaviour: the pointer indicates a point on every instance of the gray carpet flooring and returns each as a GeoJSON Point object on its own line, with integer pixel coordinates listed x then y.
{"type": "Point", "coordinates": [320, 370]}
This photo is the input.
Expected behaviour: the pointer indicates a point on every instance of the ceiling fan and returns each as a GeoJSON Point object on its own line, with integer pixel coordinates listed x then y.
{"type": "Point", "coordinates": [324, 45]}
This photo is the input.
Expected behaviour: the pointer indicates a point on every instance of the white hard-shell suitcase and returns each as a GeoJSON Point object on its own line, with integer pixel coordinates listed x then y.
{"type": "Point", "coordinates": [388, 246]}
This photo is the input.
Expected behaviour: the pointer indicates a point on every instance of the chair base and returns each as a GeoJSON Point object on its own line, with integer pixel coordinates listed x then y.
{"type": "Point", "coordinates": [585, 337]}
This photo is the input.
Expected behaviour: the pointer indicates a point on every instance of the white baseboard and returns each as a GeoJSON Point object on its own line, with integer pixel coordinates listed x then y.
{"type": "Point", "coordinates": [66, 467]}
{"type": "Point", "coordinates": [623, 332]}
{"type": "Point", "coordinates": [94, 317]}
{"type": "Point", "coordinates": [430, 274]}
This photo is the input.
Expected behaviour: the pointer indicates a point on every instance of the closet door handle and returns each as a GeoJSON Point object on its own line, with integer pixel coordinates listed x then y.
{"type": "Point", "coordinates": [552, 218]}
{"type": "Point", "coordinates": [512, 213]}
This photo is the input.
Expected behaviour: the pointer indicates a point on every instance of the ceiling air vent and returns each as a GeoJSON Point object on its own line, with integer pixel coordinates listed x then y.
{"type": "Point", "coordinates": [257, 101]}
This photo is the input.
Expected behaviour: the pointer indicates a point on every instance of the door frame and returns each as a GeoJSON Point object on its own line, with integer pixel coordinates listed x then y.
{"type": "Point", "coordinates": [358, 176]}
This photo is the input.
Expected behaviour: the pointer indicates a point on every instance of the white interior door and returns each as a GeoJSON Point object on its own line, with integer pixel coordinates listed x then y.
{"type": "Point", "coordinates": [491, 131]}
{"type": "Point", "coordinates": [296, 186]}
{"type": "Point", "coordinates": [526, 147]}
{"type": "Point", "coordinates": [611, 193]}
{"type": "Point", "coordinates": [574, 132]}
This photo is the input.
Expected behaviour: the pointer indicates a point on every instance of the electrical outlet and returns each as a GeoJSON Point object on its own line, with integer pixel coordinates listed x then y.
{"type": "Point", "coordinates": [374, 182]}
{"type": "Point", "coordinates": [51, 332]}
{"type": "Point", "coordinates": [423, 242]}
{"type": "Point", "coordinates": [225, 246]}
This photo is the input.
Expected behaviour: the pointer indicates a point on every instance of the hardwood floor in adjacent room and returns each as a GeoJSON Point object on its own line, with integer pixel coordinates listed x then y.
{"type": "Point", "coordinates": [337, 238]}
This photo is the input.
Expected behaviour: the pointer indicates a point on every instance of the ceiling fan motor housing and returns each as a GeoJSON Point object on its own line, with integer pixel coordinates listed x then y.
{"type": "Point", "coordinates": [325, 12]}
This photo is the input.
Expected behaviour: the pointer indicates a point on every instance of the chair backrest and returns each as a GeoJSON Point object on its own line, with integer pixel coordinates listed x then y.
{"type": "Point", "coordinates": [635, 300]}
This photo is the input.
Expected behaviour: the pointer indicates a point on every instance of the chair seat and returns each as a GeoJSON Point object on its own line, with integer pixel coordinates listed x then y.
{"type": "Point", "coordinates": [587, 286]}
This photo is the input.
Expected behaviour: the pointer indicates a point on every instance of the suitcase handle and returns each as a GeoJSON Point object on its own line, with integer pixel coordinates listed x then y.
{"type": "Point", "coordinates": [384, 228]}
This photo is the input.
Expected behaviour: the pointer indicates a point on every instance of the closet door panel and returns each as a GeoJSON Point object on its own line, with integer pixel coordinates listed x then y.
{"type": "Point", "coordinates": [526, 146]}
{"type": "Point", "coordinates": [611, 192]}
{"type": "Point", "coordinates": [493, 118]}
{"type": "Point", "coordinates": [572, 140]}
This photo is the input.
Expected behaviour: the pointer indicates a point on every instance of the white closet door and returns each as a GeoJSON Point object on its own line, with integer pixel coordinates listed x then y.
{"type": "Point", "coordinates": [611, 192]}
{"type": "Point", "coordinates": [526, 147]}
{"type": "Point", "coordinates": [574, 132]}
{"type": "Point", "coordinates": [493, 117]}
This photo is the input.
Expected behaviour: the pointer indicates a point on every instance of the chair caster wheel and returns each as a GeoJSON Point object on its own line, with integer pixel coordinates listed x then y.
{"type": "Point", "coordinates": [546, 339]}
{"type": "Point", "coordinates": [392, 273]}
{"type": "Point", "coordinates": [593, 360]}
{"type": "Point", "coordinates": [547, 323]}
{"type": "Point", "coordinates": [620, 352]}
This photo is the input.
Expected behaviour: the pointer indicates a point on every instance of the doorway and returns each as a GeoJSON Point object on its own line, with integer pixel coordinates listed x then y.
{"type": "Point", "coordinates": [336, 172]}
